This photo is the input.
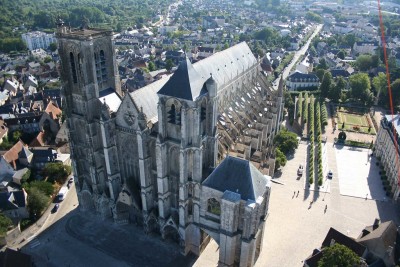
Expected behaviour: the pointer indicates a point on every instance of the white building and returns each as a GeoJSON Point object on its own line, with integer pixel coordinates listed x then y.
{"type": "Point", "coordinates": [385, 150]}
{"type": "Point", "coordinates": [35, 40]}
{"type": "Point", "coordinates": [300, 80]}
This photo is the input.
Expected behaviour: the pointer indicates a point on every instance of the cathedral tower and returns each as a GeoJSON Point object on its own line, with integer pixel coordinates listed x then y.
{"type": "Point", "coordinates": [91, 91]}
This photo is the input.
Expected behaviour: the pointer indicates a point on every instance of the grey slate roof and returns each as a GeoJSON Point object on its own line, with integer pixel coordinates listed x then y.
{"type": "Point", "coordinates": [342, 239]}
{"type": "Point", "coordinates": [239, 176]}
{"type": "Point", "coordinates": [12, 200]}
{"type": "Point", "coordinates": [147, 98]}
{"type": "Point", "coordinates": [185, 83]}
{"type": "Point", "coordinates": [223, 66]}
{"type": "Point", "coordinates": [297, 76]}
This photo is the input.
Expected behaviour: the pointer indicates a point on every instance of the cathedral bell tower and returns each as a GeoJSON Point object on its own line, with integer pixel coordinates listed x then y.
{"type": "Point", "coordinates": [185, 150]}
{"type": "Point", "coordinates": [89, 81]}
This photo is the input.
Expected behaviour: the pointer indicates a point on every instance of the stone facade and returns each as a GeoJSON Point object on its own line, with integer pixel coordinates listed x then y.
{"type": "Point", "coordinates": [142, 157]}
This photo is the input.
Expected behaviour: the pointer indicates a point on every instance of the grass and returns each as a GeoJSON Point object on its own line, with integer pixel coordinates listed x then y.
{"type": "Point", "coordinates": [352, 120]}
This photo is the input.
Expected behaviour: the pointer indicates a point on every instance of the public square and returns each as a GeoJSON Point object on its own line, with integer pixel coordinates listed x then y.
{"type": "Point", "coordinates": [294, 227]}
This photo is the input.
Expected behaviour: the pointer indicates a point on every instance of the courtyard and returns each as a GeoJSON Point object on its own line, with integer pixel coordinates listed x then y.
{"type": "Point", "coordinates": [354, 120]}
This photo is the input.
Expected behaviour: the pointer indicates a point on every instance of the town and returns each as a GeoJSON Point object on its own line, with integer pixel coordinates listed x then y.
{"type": "Point", "coordinates": [208, 133]}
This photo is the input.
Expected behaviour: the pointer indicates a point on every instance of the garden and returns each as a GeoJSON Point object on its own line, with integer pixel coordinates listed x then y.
{"type": "Point", "coordinates": [354, 120]}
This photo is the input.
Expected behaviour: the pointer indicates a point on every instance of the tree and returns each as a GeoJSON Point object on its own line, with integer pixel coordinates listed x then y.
{"type": "Point", "coordinates": [280, 159]}
{"type": "Point", "coordinates": [341, 54]}
{"type": "Point", "coordinates": [320, 73]}
{"type": "Point", "coordinates": [326, 84]}
{"type": "Point", "coordinates": [313, 17]}
{"type": "Point", "coordinates": [286, 141]}
{"type": "Point", "coordinates": [43, 186]}
{"type": "Point", "coordinates": [350, 39]}
{"type": "Point", "coordinates": [322, 64]}
{"type": "Point", "coordinates": [151, 66]}
{"type": "Point", "coordinates": [336, 90]}
{"type": "Point", "coordinates": [56, 171]}
{"type": "Point", "coordinates": [364, 62]}
{"type": "Point", "coordinates": [339, 255]}
{"type": "Point", "coordinates": [169, 64]}
{"type": "Point", "coordinates": [380, 83]}
{"type": "Point", "coordinates": [53, 47]}
{"type": "Point", "coordinates": [360, 87]}
{"type": "Point", "coordinates": [5, 223]}
{"type": "Point", "coordinates": [47, 59]}
{"type": "Point", "coordinates": [16, 135]}
{"type": "Point", "coordinates": [25, 177]}
{"type": "Point", "coordinates": [37, 202]}
{"type": "Point", "coordinates": [11, 44]}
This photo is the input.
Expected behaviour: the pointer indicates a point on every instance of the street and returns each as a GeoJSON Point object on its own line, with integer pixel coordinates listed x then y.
{"type": "Point", "coordinates": [297, 55]}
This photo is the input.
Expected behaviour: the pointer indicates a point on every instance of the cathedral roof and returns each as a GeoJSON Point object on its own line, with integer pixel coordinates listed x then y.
{"type": "Point", "coordinates": [186, 83]}
{"type": "Point", "coordinates": [222, 65]}
{"type": "Point", "coordinates": [239, 176]}
{"type": "Point", "coordinates": [147, 98]}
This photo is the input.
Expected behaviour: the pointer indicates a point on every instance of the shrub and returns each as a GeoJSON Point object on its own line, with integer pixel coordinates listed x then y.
{"type": "Point", "coordinates": [311, 180]}
{"type": "Point", "coordinates": [319, 182]}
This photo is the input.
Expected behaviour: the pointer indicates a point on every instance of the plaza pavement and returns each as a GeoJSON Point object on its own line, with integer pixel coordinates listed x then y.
{"type": "Point", "coordinates": [358, 174]}
{"type": "Point", "coordinates": [295, 227]}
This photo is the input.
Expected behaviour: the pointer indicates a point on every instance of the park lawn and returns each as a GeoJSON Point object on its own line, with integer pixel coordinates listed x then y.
{"type": "Point", "coordinates": [353, 119]}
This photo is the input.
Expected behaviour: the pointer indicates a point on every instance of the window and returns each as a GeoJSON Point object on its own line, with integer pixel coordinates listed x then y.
{"type": "Point", "coordinates": [213, 206]}
{"type": "Point", "coordinates": [73, 67]}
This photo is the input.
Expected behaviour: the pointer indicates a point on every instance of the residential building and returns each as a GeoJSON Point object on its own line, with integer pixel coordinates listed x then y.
{"type": "Point", "coordinates": [35, 40]}
{"type": "Point", "coordinates": [388, 153]}
{"type": "Point", "coordinates": [299, 80]}
{"type": "Point", "coordinates": [365, 48]}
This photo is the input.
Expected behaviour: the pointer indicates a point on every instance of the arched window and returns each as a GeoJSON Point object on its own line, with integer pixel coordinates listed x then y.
{"type": "Point", "coordinates": [73, 67]}
{"type": "Point", "coordinates": [213, 206]}
{"type": "Point", "coordinates": [80, 61]}
{"type": "Point", "coordinates": [172, 114]}
{"type": "Point", "coordinates": [103, 65]}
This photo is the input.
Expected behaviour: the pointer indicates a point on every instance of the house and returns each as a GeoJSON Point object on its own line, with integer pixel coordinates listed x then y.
{"type": "Point", "coordinates": [18, 175]}
{"type": "Point", "coordinates": [11, 157]}
{"type": "Point", "coordinates": [294, 43]}
{"type": "Point", "coordinates": [365, 48]}
{"type": "Point", "coordinates": [30, 81]}
{"type": "Point", "coordinates": [299, 80]}
{"type": "Point", "coordinates": [42, 156]}
{"type": "Point", "coordinates": [213, 21]}
{"type": "Point", "coordinates": [204, 52]}
{"type": "Point", "coordinates": [13, 204]}
{"type": "Point", "coordinates": [382, 240]}
{"type": "Point", "coordinates": [339, 73]}
{"type": "Point", "coordinates": [12, 86]}
{"type": "Point", "coordinates": [332, 237]}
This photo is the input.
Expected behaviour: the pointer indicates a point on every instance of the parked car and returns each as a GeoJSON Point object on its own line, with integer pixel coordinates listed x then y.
{"type": "Point", "coordinates": [330, 174]}
{"type": "Point", "coordinates": [300, 170]}
{"type": "Point", "coordinates": [55, 208]}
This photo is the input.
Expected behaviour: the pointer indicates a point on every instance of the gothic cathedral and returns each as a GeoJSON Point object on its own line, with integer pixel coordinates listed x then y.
{"type": "Point", "coordinates": [189, 156]}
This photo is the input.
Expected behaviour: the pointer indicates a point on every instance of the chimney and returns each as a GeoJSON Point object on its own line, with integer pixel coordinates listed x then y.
{"type": "Point", "coordinates": [376, 223]}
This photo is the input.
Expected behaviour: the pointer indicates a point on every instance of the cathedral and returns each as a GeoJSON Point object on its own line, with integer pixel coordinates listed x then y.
{"type": "Point", "coordinates": [189, 156]}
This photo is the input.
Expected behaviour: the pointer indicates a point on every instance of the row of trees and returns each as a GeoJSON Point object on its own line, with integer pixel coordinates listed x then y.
{"type": "Point", "coordinates": [311, 134]}
{"type": "Point", "coordinates": [318, 132]}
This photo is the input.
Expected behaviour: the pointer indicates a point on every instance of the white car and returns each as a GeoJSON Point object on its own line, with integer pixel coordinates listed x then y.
{"type": "Point", "coordinates": [300, 170]}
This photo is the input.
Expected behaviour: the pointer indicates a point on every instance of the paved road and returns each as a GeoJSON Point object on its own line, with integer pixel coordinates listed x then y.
{"type": "Point", "coordinates": [47, 219]}
{"type": "Point", "coordinates": [297, 55]}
